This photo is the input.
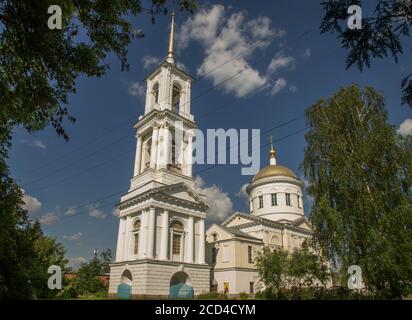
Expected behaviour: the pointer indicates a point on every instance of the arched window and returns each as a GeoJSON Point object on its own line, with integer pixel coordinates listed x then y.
{"type": "Point", "coordinates": [177, 232]}
{"type": "Point", "coordinates": [147, 153]}
{"type": "Point", "coordinates": [215, 237]}
{"type": "Point", "coordinates": [176, 95]}
{"type": "Point", "coordinates": [176, 225]}
{"type": "Point", "coordinates": [155, 93]}
{"type": "Point", "coordinates": [136, 231]}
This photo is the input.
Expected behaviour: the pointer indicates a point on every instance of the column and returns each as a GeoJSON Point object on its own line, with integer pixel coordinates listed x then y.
{"type": "Point", "coordinates": [201, 253]}
{"type": "Point", "coordinates": [187, 102]}
{"type": "Point", "coordinates": [120, 242]}
{"type": "Point", "coordinates": [188, 163]}
{"type": "Point", "coordinates": [153, 155]}
{"type": "Point", "coordinates": [143, 235]}
{"type": "Point", "coordinates": [126, 252]}
{"type": "Point", "coordinates": [160, 147]}
{"type": "Point", "coordinates": [167, 146]}
{"type": "Point", "coordinates": [190, 239]}
{"type": "Point", "coordinates": [183, 251]}
{"type": "Point", "coordinates": [138, 158]}
{"type": "Point", "coordinates": [151, 230]}
{"type": "Point", "coordinates": [164, 245]}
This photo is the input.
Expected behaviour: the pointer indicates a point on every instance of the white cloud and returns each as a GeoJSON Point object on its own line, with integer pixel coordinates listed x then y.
{"type": "Point", "coordinates": [278, 86]}
{"type": "Point", "coordinates": [293, 89]}
{"type": "Point", "coordinates": [279, 61]}
{"type": "Point", "coordinates": [220, 205]}
{"type": "Point", "coordinates": [116, 212]}
{"type": "Point", "coordinates": [48, 219]}
{"type": "Point", "coordinates": [37, 143]}
{"type": "Point", "coordinates": [34, 143]}
{"type": "Point", "coordinates": [75, 263]}
{"type": "Point", "coordinates": [70, 211]}
{"type": "Point", "coordinates": [405, 128]}
{"type": "Point", "coordinates": [137, 89]}
{"type": "Point", "coordinates": [307, 53]}
{"type": "Point", "coordinates": [94, 212]}
{"type": "Point", "coordinates": [73, 237]}
{"type": "Point", "coordinates": [31, 204]}
{"type": "Point", "coordinates": [182, 66]}
{"type": "Point", "coordinates": [243, 194]}
{"type": "Point", "coordinates": [150, 61]}
{"type": "Point", "coordinates": [224, 37]}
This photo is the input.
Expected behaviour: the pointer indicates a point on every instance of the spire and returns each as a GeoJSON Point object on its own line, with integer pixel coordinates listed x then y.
{"type": "Point", "coordinates": [272, 153]}
{"type": "Point", "coordinates": [170, 57]}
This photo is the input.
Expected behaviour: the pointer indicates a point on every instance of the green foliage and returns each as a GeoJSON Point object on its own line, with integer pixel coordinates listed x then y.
{"type": "Point", "coordinates": [25, 253]}
{"type": "Point", "coordinates": [39, 66]}
{"type": "Point", "coordinates": [283, 271]}
{"type": "Point", "coordinates": [87, 281]}
{"type": "Point", "coordinates": [313, 293]}
{"type": "Point", "coordinates": [69, 291]}
{"type": "Point", "coordinates": [243, 296]}
{"type": "Point", "coordinates": [379, 37]}
{"type": "Point", "coordinates": [212, 296]}
{"type": "Point", "coordinates": [360, 176]}
{"type": "Point", "coordinates": [38, 71]}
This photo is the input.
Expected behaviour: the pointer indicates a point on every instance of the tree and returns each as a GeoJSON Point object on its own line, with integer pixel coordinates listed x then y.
{"type": "Point", "coordinates": [39, 66]}
{"type": "Point", "coordinates": [290, 271]}
{"type": "Point", "coordinates": [272, 266]}
{"type": "Point", "coordinates": [38, 71]}
{"type": "Point", "coordinates": [25, 254]}
{"type": "Point", "coordinates": [87, 281]}
{"type": "Point", "coordinates": [360, 176]}
{"type": "Point", "coordinates": [379, 36]}
{"type": "Point", "coordinates": [48, 252]}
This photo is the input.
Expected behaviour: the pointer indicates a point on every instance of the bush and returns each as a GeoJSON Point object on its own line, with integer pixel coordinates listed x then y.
{"type": "Point", "coordinates": [69, 292]}
{"type": "Point", "coordinates": [243, 296]}
{"type": "Point", "coordinates": [212, 296]}
{"type": "Point", "coordinates": [312, 293]}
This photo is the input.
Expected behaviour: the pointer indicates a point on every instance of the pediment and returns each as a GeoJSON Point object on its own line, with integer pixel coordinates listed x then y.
{"type": "Point", "coordinates": [183, 192]}
{"type": "Point", "coordinates": [237, 219]}
{"type": "Point", "coordinates": [302, 223]}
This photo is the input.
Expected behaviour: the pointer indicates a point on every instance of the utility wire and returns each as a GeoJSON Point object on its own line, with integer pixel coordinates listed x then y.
{"type": "Point", "coordinates": [168, 97]}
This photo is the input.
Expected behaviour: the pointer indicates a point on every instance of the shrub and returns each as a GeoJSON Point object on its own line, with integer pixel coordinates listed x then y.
{"type": "Point", "coordinates": [243, 296]}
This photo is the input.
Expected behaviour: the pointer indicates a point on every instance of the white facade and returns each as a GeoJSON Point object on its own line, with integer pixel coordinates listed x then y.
{"type": "Point", "coordinates": [161, 237]}
{"type": "Point", "coordinates": [276, 221]}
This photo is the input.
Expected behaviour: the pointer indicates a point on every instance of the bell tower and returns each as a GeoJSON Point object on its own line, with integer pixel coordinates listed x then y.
{"type": "Point", "coordinates": [161, 237]}
{"type": "Point", "coordinates": [165, 132]}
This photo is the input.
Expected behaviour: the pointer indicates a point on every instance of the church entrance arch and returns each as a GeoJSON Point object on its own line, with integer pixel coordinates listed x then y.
{"type": "Point", "coordinates": [124, 289]}
{"type": "Point", "coordinates": [180, 286]}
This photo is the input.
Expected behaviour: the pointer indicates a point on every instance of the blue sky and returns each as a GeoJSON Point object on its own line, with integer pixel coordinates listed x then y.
{"type": "Point", "coordinates": [287, 74]}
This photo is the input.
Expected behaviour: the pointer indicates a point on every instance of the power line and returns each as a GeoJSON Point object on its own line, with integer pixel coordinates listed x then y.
{"type": "Point", "coordinates": [84, 171]}
{"type": "Point", "coordinates": [195, 173]}
{"type": "Point", "coordinates": [75, 162]}
{"type": "Point", "coordinates": [195, 98]}
{"type": "Point", "coordinates": [168, 97]}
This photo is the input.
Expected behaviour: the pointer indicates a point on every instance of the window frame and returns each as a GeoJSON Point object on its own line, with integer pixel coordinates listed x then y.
{"type": "Point", "coordinates": [260, 202]}
{"type": "Point", "coordinates": [250, 254]}
{"type": "Point", "coordinates": [274, 199]}
{"type": "Point", "coordinates": [288, 199]}
{"type": "Point", "coordinates": [251, 287]}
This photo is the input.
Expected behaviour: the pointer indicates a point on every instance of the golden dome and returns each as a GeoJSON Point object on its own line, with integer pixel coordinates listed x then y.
{"type": "Point", "coordinates": [272, 171]}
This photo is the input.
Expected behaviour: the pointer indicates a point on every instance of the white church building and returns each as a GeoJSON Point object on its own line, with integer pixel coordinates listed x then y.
{"type": "Point", "coordinates": [163, 248]}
